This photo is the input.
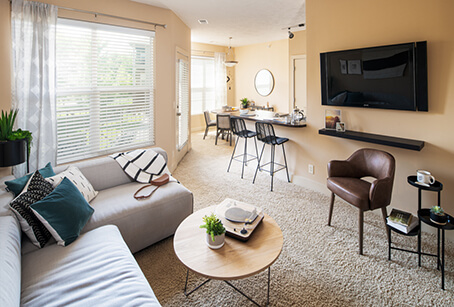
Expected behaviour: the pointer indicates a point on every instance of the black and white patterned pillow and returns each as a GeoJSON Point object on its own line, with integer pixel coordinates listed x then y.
{"type": "Point", "coordinates": [36, 189]}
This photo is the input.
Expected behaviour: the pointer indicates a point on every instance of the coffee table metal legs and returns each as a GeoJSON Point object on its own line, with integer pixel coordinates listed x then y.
{"type": "Point", "coordinates": [186, 285]}
{"type": "Point", "coordinates": [227, 282]}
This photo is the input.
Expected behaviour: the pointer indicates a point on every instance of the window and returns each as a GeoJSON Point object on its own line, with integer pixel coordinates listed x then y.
{"type": "Point", "coordinates": [202, 85]}
{"type": "Point", "coordinates": [105, 89]}
{"type": "Point", "coordinates": [182, 99]}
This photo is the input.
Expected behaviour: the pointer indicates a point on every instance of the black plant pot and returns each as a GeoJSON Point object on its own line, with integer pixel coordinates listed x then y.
{"type": "Point", "coordinates": [438, 219]}
{"type": "Point", "coordinates": [13, 152]}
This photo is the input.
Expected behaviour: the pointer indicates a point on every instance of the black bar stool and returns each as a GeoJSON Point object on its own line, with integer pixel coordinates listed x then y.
{"type": "Point", "coordinates": [239, 129]}
{"type": "Point", "coordinates": [265, 133]}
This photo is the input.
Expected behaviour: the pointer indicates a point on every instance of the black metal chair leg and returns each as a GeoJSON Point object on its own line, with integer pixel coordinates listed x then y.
{"type": "Point", "coordinates": [272, 166]}
{"type": "Point", "coordinates": [258, 164]}
{"type": "Point", "coordinates": [257, 152]}
{"type": "Point", "coordinates": [244, 157]}
{"type": "Point", "coordinates": [285, 160]}
{"type": "Point", "coordinates": [233, 153]}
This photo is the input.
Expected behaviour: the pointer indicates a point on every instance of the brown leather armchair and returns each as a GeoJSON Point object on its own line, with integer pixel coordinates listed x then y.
{"type": "Point", "coordinates": [345, 180]}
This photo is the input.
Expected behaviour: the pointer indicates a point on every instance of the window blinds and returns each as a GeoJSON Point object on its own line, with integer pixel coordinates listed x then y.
{"type": "Point", "coordinates": [105, 89]}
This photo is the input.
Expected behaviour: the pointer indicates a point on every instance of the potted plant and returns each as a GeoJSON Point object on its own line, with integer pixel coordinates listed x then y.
{"type": "Point", "coordinates": [244, 106]}
{"type": "Point", "coordinates": [12, 142]}
{"type": "Point", "coordinates": [215, 231]}
{"type": "Point", "coordinates": [244, 103]}
{"type": "Point", "coordinates": [437, 215]}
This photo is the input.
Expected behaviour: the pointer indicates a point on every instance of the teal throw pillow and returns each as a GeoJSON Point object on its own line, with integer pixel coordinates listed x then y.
{"type": "Point", "coordinates": [64, 212]}
{"type": "Point", "coordinates": [17, 185]}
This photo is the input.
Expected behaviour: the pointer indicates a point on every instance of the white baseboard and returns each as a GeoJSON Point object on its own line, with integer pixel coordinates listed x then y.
{"type": "Point", "coordinates": [310, 184]}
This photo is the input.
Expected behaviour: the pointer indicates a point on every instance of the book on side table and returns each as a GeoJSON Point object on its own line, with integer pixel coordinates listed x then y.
{"type": "Point", "coordinates": [400, 217]}
{"type": "Point", "coordinates": [402, 221]}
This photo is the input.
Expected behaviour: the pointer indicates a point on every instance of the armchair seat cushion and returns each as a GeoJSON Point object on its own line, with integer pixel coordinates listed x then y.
{"type": "Point", "coordinates": [353, 190]}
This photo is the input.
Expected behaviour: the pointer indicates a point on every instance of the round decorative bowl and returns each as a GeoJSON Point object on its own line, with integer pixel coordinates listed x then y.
{"type": "Point", "coordinates": [244, 111]}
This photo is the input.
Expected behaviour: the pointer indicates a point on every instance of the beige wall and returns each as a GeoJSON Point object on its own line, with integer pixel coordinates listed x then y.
{"type": "Point", "coordinates": [334, 25]}
{"type": "Point", "coordinates": [273, 56]}
{"type": "Point", "coordinates": [176, 35]}
{"type": "Point", "coordinates": [208, 50]}
{"type": "Point", "coordinates": [298, 45]}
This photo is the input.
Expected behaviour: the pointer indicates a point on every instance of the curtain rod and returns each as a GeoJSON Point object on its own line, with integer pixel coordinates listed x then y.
{"type": "Point", "coordinates": [111, 16]}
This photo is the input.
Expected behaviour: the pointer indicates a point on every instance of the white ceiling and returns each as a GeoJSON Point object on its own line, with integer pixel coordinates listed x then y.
{"type": "Point", "coordinates": [246, 21]}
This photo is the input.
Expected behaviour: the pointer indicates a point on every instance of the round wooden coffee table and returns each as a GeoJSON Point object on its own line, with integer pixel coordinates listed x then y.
{"type": "Point", "coordinates": [236, 259]}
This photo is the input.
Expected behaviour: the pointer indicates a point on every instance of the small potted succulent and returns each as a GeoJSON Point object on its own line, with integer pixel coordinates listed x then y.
{"type": "Point", "coordinates": [215, 231]}
{"type": "Point", "coordinates": [244, 106]}
{"type": "Point", "coordinates": [437, 215]}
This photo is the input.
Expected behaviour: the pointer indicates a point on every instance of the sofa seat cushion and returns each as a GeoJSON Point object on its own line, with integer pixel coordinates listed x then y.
{"type": "Point", "coordinates": [96, 270]}
{"type": "Point", "coordinates": [141, 222]}
{"type": "Point", "coordinates": [10, 261]}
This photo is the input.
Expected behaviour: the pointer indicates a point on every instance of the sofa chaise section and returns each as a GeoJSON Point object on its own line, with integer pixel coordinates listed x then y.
{"type": "Point", "coordinates": [95, 270]}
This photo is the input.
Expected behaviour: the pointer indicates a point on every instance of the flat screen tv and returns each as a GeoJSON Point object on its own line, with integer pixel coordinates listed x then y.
{"type": "Point", "coordinates": [384, 77]}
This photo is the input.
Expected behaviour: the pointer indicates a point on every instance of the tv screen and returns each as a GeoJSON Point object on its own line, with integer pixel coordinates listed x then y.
{"type": "Point", "coordinates": [385, 77]}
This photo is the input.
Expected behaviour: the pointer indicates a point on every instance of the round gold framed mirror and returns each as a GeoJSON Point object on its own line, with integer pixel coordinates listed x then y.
{"type": "Point", "coordinates": [264, 82]}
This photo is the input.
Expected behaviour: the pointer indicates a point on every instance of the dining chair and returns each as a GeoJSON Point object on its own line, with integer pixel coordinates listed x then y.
{"type": "Point", "coordinates": [208, 122]}
{"type": "Point", "coordinates": [223, 127]}
{"type": "Point", "coordinates": [345, 179]}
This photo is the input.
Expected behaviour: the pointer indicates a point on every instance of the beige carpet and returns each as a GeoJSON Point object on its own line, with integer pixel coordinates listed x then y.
{"type": "Point", "coordinates": [319, 265]}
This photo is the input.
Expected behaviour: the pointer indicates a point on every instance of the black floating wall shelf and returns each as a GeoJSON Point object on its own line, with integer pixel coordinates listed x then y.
{"type": "Point", "coordinates": [376, 138]}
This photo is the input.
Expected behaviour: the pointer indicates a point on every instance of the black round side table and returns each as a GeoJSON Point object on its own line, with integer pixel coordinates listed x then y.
{"type": "Point", "coordinates": [424, 216]}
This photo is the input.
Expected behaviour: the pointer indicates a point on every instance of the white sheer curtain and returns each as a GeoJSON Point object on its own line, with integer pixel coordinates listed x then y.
{"type": "Point", "coordinates": [33, 26]}
{"type": "Point", "coordinates": [220, 80]}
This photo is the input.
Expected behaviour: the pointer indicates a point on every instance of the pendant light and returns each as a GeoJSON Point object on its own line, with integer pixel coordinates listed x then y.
{"type": "Point", "coordinates": [230, 63]}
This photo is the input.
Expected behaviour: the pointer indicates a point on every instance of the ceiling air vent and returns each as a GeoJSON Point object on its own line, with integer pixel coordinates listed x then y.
{"type": "Point", "coordinates": [203, 21]}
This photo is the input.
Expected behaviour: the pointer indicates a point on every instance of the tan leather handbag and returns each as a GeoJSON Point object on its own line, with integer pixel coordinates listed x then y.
{"type": "Point", "coordinates": [157, 182]}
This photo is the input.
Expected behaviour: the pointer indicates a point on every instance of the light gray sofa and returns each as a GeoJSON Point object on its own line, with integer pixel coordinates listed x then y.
{"type": "Point", "coordinates": [98, 268]}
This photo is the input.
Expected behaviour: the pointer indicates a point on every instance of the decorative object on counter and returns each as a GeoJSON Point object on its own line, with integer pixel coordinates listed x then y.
{"type": "Point", "coordinates": [264, 82]}
{"type": "Point", "coordinates": [13, 143]}
{"type": "Point", "coordinates": [438, 216]}
{"type": "Point", "coordinates": [215, 231]}
{"type": "Point", "coordinates": [244, 106]}
{"type": "Point", "coordinates": [244, 103]}
{"type": "Point", "coordinates": [424, 177]}
{"type": "Point", "coordinates": [332, 116]}
{"type": "Point", "coordinates": [297, 115]}
{"type": "Point", "coordinates": [340, 127]}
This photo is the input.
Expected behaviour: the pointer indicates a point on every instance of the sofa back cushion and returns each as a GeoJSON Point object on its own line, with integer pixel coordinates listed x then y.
{"type": "Point", "coordinates": [104, 173]}
{"type": "Point", "coordinates": [10, 261]}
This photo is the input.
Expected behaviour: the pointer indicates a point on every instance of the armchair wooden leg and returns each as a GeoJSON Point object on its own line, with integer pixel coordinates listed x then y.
{"type": "Point", "coordinates": [384, 213]}
{"type": "Point", "coordinates": [361, 227]}
{"type": "Point", "coordinates": [331, 208]}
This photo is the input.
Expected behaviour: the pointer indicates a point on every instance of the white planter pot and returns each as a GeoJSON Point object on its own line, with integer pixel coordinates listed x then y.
{"type": "Point", "coordinates": [218, 241]}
